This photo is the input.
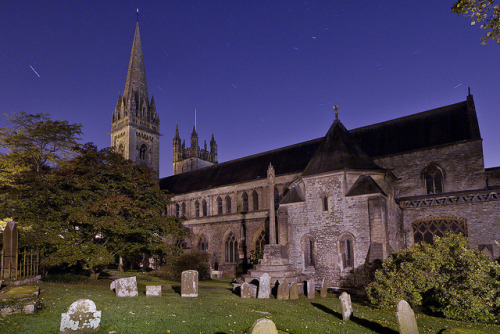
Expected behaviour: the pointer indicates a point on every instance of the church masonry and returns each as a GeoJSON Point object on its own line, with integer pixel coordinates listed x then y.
{"type": "Point", "coordinates": [325, 207]}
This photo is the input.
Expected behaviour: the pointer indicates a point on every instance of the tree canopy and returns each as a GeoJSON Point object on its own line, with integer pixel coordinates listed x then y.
{"type": "Point", "coordinates": [486, 12]}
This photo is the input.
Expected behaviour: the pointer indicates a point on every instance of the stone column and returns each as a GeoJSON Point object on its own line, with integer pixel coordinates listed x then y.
{"type": "Point", "coordinates": [272, 224]}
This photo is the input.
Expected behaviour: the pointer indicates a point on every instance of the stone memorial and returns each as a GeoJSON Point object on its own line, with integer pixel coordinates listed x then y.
{"type": "Point", "coordinates": [311, 290]}
{"type": "Point", "coordinates": [253, 290]}
{"type": "Point", "coordinates": [126, 287]}
{"type": "Point", "coordinates": [245, 290]}
{"type": "Point", "coordinates": [263, 326]}
{"type": "Point", "coordinates": [283, 291]}
{"type": "Point", "coordinates": [82, 316]}
{"type": "Point", "coordinates": [10, 249]}
{"type": "Point", "coordinates": [345, 303]}
{"type": "Point", "coordinates": [189, 283]}
{"type": "Point", "coordinates": [324, 291]}
{"type": "Point", "coordinates": [294, 291]}
{"type": "Point", "coordinates": [264, 286]}
{"type": "Point", "coordinates": [112, 286]}
{"type": "Point", "coordinates": [406, 318]}
{"type": "Point", "coordinates": [153, 290]}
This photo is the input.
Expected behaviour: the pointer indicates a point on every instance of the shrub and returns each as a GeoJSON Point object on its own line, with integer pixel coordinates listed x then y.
{"type": "Point", "coordinates": [187, 261]}
{"type": "Point", "coordinates": [446, 278]}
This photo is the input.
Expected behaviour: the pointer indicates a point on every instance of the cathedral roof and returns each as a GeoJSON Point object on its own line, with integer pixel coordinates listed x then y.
{"type": "Point", "coordinates": [136, 73]}
{"type": "Point", "coordinates": [445, 125]}
{"type": "Point", "coordinates": [365, 185]}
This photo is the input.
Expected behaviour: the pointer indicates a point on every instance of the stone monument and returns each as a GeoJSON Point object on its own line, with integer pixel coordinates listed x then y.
{"type": "Point", "coordinates": [125, 287]}
{"type": "Point", "coordinates": [153, 290]}
{"type": "Point", "coordinates": [294, 291]}
{"type": "Point", "coordinates": [263, 326]}
{"type": "Point", "coordinates": [311, 290]}
{"type": "Point", "coordinates": [406, 318]}
{"type": "Point", "coordinates": [82, 316]}
{"type": "Point", "coordinates": [245, 290]}
{"type": "Point", "coordinates": [324, 291]}
{"type": "Point", "coordinates": [189, 283]}
{"type": "Point", "coordinates": [264, 286]}
{"type": "Point", "coordinates": [345, 303]}
{"type": "Point", "coordinates": [283, 291]}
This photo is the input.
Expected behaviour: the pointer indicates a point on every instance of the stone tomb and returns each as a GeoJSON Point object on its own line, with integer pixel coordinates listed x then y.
{"type": "Point", "coordinates": [283, 291]}
{"type": "Point", "coordinates": [311, 290]}
{"type": "Point", "coordinates": [406, 318]}
{"type": "Point", "coordinates": [264, 286]}
{"type": "Point", "coordinates": [82, 316]}
{"type": "Point", "coordinates": [345, 303]}
{"type": "Point", "coordinates": [263, 326]}
{"type": "Point", "coordinates": [125, 287]}
{"type": "Point", "coordinates": [153, 290]}
{"type": "Point", "coordinates": [189, 283]}
{"type": "Point", "coordinates": [294, 291]}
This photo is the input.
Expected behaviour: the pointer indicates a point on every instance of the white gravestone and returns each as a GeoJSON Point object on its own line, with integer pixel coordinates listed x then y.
{"type": "Point", "coordinates": [126, 287]}
{"type": "Point", "coordinates": [81, 316]}
{"type": "Point", "coordinates": [263, 326]}
{"type": "Point", "coordinates": [153, 290]}
{"type": "Point", "coordinates": [189, 283]}
{"type": "Point", "coordinates": [345, 303]}
{"type": "Point", "coordinates": [264, 286]}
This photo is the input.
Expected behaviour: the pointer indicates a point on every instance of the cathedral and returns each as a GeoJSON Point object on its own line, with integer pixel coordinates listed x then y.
{"type": "Point", "coordinates": [322, 208]}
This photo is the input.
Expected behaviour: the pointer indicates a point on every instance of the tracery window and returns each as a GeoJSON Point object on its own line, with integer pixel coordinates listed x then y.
{"type": "Point", "coordinates": [346, 245]}
{"type": "Point", "coordinates": [425, 230]}
{"type": "Point", "coordinates": [183, 209]}
{"type": "Point", "coordinates": [325, 203]}
{"type": "Point", "coordinates": [197, 209]}
{"type": "Point", "coordinates": [244, 197]}
{"type": "Point", "coordinates": [228, 204]}
{"type": "Point", "coordinates": [433, 180]}
{"type": "Point", "coordinates": [255, 200]}
{"type": "Point", "coordinates": [219, 206]}
{"type": "Point", "coordinates": [231, 249]}
{"type": "Point", "coordinates": [205, 208]}
{"type": "Point", "coordinates": [309, 251]}
{"type": "Point", "coordinates": [142, 152]}
{"type": "Point", "coordinates": [202, 243]}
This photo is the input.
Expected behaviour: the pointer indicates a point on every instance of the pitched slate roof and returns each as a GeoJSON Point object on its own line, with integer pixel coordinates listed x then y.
{"type": "Point", "coordinates": [449, 124]}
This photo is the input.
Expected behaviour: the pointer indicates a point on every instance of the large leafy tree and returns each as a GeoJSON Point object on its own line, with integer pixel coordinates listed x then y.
{"type": "Point", "coordinates": [92, 209]}
{"type": "Point", "coordinates": [485, 12]}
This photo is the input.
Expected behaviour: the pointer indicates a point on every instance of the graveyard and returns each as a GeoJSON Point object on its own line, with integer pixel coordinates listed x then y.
{"type": "Point", "coordinates": [215, 309]}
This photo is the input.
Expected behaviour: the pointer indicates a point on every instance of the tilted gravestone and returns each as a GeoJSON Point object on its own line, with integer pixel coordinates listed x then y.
{"type": "Point", "coordinates": [153, 290]}
{"type": "Point", "coordinates": [10, 239]}
{"type": "Point", "coordinates": [310, 288]}
{"type": "Point", "coordinates": [406, 318]}
{"type": "Point", "coordinates": [345, 303]}
{"type": "Point", "coordinates": [189, 283]}
{"type": "Point", "coordinates": [294, 291]}
{"type": "Point", "coordinates": [283, 291]}
{"type": "Point", "coordinates": [82, 316]}
{"type": "Point", "coordinates": [245, 290]}
{"type": "Point", "coordinates": [264, 286]}
{"type": "Point", "coordinates": [126, 287]}
{"type": "Point", "coordinates": [324, 291]}
{"type": "Point", "coordinates": [263, 326]}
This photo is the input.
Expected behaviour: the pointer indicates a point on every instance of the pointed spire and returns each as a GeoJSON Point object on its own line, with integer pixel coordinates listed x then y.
{"type": "Point", "coordinates": [177, 132]}
{"type": "Point", "coordinates": [135, 83]}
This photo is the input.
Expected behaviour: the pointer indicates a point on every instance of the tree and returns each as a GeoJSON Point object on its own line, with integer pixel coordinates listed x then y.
{"type": "Point", "coordinates": [486, 11]}
{"type": "Point", "coordinates": [446, 278]}
{"type": "Point", "coordinates": [91, 210]}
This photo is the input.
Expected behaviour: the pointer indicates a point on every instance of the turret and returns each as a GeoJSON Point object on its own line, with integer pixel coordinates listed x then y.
{"type": "Point", "coordinates": [177, 145]}
{"type": "Point", "coordinates": [194, 141]}
{"type": "Point", "coordinates": [213, 150]}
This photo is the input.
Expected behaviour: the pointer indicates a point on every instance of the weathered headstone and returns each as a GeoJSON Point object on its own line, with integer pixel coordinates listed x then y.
{"type": "Point", "coordinates": [311, 290]}
{"type": "Point", "coordinates": [189, 283]}
{"type": "Point", "coordinates": [153, 290]}
{"type": "Point", "coordinates": [126, 287]}
{"type": "Point", "coordinates": [112, 286]}
{"type": "Point", "coordinates": [82, 316]}
{"type": "Point", "coordinates": [345, 303]}
{"type": "Point", "coordinates": [253, 290]}
{"type": "Point", "coordinates": [263, 326]}
{"type": "Point", "coordinates": [406, 318]}
{"type": "Point", "coordinates": [10, 239]}
{"type": "Point", "coordinates": [245, 290]}
{"type": "Point", "coordinates": [264, 286]}
{"type": "Point", "coordinates": [283, 291]}
{"type": "Point", "coordinates": [294, 291]}
{"type": "Point", "coordinates": [324, 291]}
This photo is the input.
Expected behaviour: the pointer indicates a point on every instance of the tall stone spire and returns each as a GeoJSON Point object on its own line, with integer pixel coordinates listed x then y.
{"type": "Point", "coordinates": [136, 87]}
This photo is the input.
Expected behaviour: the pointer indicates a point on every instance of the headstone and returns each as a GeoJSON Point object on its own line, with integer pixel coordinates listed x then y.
{"type": "Point", "coordinates": [310, 288]}
{"type": "Point", "coordinates": [263, 326]}
{"type": "Point", "coordinates": [82, 316]}
{"type": "Point", "coordinates": [126, 287]}
{"type": "Point", "coordinates": [253, 290]}
{"type": "Point", "coordinates": [245, 290]}
{"type": "Point", "coordinates": [406, 318]}
{"type": "Point", "coordinates": [112, 286]}
{"type": "Point", "coordinates": [345, 303]}
{"type": "Point", "coordinates": [189, 283]}
{"type": "Point", "coordinates": [264, 286]}
{"type": "Point", "coordinates": [294, 291]}
{"type": "Point", "coordinates": [283, 290]}
{"type": "Point", "coordinates": [324, 291]}
{"type": "Point", "coordinates": [153, 290]}
{"type": "Point", "coordinates": [10, 238]}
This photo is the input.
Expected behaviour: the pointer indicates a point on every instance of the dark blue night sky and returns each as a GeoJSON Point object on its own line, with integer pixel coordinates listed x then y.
{"type": "Point", "coordinates": [261, 74]}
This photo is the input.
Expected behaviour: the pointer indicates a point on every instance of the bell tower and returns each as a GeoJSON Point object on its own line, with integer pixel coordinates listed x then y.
{"type": "Point", "coordinates": [135, 124]}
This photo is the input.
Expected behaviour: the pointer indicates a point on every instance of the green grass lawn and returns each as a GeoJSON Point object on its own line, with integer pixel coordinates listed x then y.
{"type": "Point", "coordinates": [216, 310]}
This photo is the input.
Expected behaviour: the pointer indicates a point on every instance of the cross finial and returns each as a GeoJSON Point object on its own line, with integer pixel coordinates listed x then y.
{"type": "Point", "coordinates": [336, 108]}
{"type": "Point", "coordinates": [137, 14]}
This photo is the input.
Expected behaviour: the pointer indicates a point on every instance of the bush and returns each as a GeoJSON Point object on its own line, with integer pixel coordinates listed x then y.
{"type": "Point", "coordinates": [447, 279]}
{"type": "Point", "coordinates": [188, 261]}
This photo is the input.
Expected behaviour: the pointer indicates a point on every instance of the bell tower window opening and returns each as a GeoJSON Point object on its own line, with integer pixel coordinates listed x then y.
{"type": "Point", "coordinates": [143, 152]}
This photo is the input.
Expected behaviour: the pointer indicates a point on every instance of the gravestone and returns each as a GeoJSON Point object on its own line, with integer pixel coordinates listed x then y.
{"type": "Point", "coordinates": [245, 290]}
{"type": "Point", "coordinates": [189, 283]}
{"type": "Point", "coordinates": [112, 286]}
{"type": "Point", "coordinates": [294, 291]}
{"type": "Point", "coordinates": [153, 290]}
{"type": "Point", "coordinates": [310, 288]}
{"type": "Point", "coordinates": [82, 316]}
{"type": "Point", "coordinates": [283, 290]}
{"type": "Point", "coordinates": [406, 318]}
{"type": "Point", "coordinates": [345, 303]}
{"type": "Point", "coordinates": [264, 286]}
{"type": "Point", "coordinates": [263, 326]}
{"type": "Point", "coordinates": [324, 291]}
{"type": "Point", "coordinates": [10, 239]}
{"type": "Point", "coordinates": [126, 287]}
{"type": "Point", "coordinates": [253, 290]}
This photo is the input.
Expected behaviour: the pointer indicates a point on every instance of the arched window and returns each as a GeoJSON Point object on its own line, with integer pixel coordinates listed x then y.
{"type": "Point", "coordinates": [309, 251]}
{"type": "Point", "coordinates": [259, 244]}
{"type": "Point", "coordinates": [183, 208]}
{"type": "Point", "coordinates": [197, 209]}
{"type": "Point", "coordinates": [325, 203]}
{"type": "Point", "coordinates": [121, 149]}
{"type": "Point", "coordinates": [276, 198]}
{"type": "Point", "coordinates": [205, 209]}
{"type": "Point", "coordinates": [177, 209]}
{"type": "Point", "coordinates": [219, 206]}
{"type": "Point", "coordinates": [202, 244]}
{"type": "Point", "coordinates": [433, 180]}
{"type": "Point", "coordinates": [244, 198]}
{"type": "Point", "coordinates": [231, 249]}
{"type": "Point", "coordinates": [255, 200]}
{"type": "Point", "coordinates": [228, 204]}
{"type": "Point", "coordinates": [142, 152]}
{"type": "Point", "coordinates": [346, 246]}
